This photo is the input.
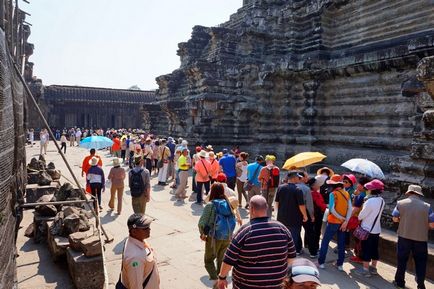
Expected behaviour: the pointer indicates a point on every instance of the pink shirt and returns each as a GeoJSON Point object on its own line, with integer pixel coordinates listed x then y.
{"type": "Point", "coordinates": [215, 168]}
{"type": "Point", "coordinates": [203, 170]}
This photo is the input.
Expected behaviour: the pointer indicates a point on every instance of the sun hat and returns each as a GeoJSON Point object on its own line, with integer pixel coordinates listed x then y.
{"type": "Point", "coordinates": [116, 162]}
{"type": "Point", "coordinates": [375, 185]}
{"type": "Point", "coordinates": [170, 139]}
{"type": "Point", "coordinates": [304, 270]}
{"type": "Point", "coordinates": [209, 147]}
{"type": "Point", "coordinates": [415, 189]}
{"type": "Point", "coordinates": [221, 177]}
{"type": "Point", "coordinates": [320, 180]}
{"type": "Point", "coordinates": [93, 161]}
{"type": "Point", "coordinates": [184, 143]}
{"type": "Point", "coordinates": [335, 180]}
{"type": "Point", "coordinates": [211, 155]}
{"type": "Point", "coordinates": [138, 221]}
{"type": "Point", "coordinates": [351, 178]}
{"type": "Point", "coordinates": [319, 172]}
{"type": "Point", "coordinates": [202, 154]}
{"type": "Point", "coordinates": [270, 158]}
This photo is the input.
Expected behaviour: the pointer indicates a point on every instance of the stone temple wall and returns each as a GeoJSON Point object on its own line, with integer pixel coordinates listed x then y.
{"type": "Point", "coordinates": [12, 164]}
{"type": "Point", "coordinates": [335, 76]}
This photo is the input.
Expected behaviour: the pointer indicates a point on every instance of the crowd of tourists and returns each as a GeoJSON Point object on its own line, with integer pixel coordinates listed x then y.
{"type": "Point", "coordinates": [326, 205]}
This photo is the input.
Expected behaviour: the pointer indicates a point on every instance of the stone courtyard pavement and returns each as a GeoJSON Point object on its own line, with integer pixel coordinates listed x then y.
{"type": "Point", "coordinates": [174, 236]}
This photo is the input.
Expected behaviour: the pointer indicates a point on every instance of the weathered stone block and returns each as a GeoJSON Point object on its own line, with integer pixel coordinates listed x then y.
{"type": "Point", "coordinates": [76, 238]}
{"type": "Point", "coordinates": [86, 273]}
{"type": "Point", "coordinates": [91, 246]}
{"type": "Point", "coordinates": [40, 227]}
{"type": "Point", "coordinates": [34, 191]}
{"type": "Point", "coordinates": [57, 245]}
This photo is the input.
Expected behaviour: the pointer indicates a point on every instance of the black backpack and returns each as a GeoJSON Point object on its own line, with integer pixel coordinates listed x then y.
{"type": "Point", "coordinates": [137, 186]}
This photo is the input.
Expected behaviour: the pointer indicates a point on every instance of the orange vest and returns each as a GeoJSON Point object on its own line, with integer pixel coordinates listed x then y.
{"type": "Point", "coordinates": [341, 206]}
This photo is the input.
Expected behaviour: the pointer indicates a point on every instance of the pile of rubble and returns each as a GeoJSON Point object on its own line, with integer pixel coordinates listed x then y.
{"type": "Point", "coordinates": [68, 229]}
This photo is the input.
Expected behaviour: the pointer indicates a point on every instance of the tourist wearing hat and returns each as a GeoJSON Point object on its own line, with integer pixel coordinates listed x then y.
{"type": "Point", "coordinates": [215, 167]}
{"type": "Point", "coordinates": [163, 160]}
{"type": "Point", "coordinates": [131, 149]}
{"type": "Point", "coordinates": [370, 217]}
{"type": "Point", "coordinates": [227, 164]}
{"type": "Point", "coordinates": [183, 167]}
{"type": "Point", "coordinates": [155, 144]}
{"type": "Point", "coordinates": [95, 180]}
{"type": "Point", "coordinates": [415, 218]}
{"type": "Point", "coordinates": [308, 226]}
{"type": "Point", "coordinates": [139, 265]}
{"type": "Point", "coordinates": [253, 185]}
{"type": "Point", "coordinates": [203, 177]}
{"type": "Point", "coordinates": [324, 190]}
{"type": "Point", "coordinates": [290, 207]}
{"type": "Point", "coordinates": [171, 165]}
{"type": "Point", "coordinates": [85, 166]}
{"type": "Point", "coordinates": [337, 220]}
{"type": "Point", "coordinates": [117, 177]}
{"type": "Point", "coordinates": [147, 154]}
{"type": "Point", "coordinates": [194, 160]}
{"type": "Point", "coordinates": [302, 274]}
{"type": "Point", "coordinates": [269, 177]}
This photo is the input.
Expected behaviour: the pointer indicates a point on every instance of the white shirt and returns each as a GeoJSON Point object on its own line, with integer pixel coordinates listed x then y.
{"type": "Point", "coordinates": [78, 134]}
{"type": "Point", "coordinates": [370, 210]}
{"type": "Point", "coordinates": [243, 177]}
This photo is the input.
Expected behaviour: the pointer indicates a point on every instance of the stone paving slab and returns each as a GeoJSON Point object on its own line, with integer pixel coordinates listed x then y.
{"type": "Point", "coordinates": [174, 236]}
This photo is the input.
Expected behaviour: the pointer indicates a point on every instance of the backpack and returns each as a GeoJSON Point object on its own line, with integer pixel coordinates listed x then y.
{"type": "Point", "coordinates": [274, 179]}
{"type": "Point", "coordinates": [137, 186]}
{"type": "Point", "coordinates": [224, 223]}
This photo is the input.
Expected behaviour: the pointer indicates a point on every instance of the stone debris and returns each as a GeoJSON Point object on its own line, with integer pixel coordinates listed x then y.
{"type": "Point", "coordinates": [91, 246]}
{"type": "Point", "coordinates": [75, 238]}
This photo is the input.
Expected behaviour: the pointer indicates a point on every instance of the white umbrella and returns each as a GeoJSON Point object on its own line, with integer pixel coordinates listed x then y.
{"type": "Point", "coordinates": [365, 167]}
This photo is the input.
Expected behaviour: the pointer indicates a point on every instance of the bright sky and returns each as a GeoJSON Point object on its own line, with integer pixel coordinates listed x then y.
{"type": "Point", "coordinates": [113, 43]}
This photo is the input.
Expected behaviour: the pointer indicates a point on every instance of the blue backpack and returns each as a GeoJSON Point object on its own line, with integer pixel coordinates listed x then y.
{"type": "Point", "coordinates": [224, 223]}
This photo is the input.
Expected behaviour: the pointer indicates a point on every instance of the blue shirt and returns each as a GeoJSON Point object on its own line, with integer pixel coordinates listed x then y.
{"type": "Point", "coordinates": [359, 199]}
{"type": "Point", "coordinates": [228, 162]}
{"type": "Point", "coordinates": [171, 146]}
{"type": "Point", "coordinates": [253, 171]}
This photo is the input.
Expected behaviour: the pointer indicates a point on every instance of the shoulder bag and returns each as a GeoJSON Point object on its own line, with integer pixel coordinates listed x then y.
{"type": "Point", "coordinates": [363, 234]}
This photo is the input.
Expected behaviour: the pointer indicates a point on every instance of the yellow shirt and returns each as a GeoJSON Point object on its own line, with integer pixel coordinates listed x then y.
{"type": "Point", "coordinates": [182, 163]}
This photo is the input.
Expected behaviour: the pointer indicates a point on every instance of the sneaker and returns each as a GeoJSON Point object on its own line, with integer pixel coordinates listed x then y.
{"type": "Point", "coordinates": [314, 256]}
{"type": "Point", "coordinates": [364, 273]}
{"type": "Point", "coordinates": [373, 270]}
{"type": "Point", "coordinates": [356, 259]}
{"type": "Point", "coordinates": [396, 285]}
{"type": "Point", "coordinates": [340, 268]}
{"type": "Point", "coordinates": [321, 266]}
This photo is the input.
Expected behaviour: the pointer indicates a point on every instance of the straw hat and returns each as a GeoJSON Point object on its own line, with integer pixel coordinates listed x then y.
{"type": "Point", "coordinates": [93, 161]}
{"type": "Point", "coordinates": [202, 154]}
{"type": "Point", "coordinates": [116, 162]}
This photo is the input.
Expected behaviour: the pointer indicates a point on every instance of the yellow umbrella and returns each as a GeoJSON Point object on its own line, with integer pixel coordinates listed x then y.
{"type": "Point", "coordinates": [303, 159]}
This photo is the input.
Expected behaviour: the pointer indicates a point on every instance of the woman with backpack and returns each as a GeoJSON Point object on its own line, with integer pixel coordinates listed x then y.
{"type": "Point", "coordinates": [370, 223]}
{"type": "Point", "coordinates": [269, 177]}
{"type": "Point", "coordinates": [216, 226]}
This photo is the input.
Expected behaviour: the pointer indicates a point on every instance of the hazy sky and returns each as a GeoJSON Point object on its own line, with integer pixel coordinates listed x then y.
{"type": "Point", "coordinates": [115, 43]}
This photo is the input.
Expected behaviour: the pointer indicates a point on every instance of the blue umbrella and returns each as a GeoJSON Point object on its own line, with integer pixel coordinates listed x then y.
{"type": "Point", "coordinates": [96, 142]}
{"type": "Point", "coordinates": [365, 167]}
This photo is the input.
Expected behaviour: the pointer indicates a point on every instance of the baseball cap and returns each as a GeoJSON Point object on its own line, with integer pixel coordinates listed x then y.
{"type": "Point", "coordinates": [304, 270]}
{"type": "Point", "coordinates": [138, 221]}
{"type": "Point", "coordinates": [221, 177]}
{"type": "Point", "coordinates": [375, 185]}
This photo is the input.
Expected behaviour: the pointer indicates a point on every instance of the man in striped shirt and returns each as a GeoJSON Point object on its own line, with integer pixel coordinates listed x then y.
{"type": "Point", "coordinates": [259, 253]}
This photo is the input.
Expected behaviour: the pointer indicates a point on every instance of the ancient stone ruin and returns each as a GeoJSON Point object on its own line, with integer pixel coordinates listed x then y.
{"type": "Point", "coordinates": [334, 76]}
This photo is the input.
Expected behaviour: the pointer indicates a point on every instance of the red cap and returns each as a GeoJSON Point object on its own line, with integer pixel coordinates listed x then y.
{"type": "Point", "coordinates": [221, 177]}
{"type": "Point", "coordinates": [375, 185]}
{"type": "Point", "coordinates": [198, 149]}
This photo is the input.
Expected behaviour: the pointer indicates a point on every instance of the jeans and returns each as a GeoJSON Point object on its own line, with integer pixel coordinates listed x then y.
{"type": "Point", "coordinates": [419, 251]}
{"type": "Point", "coordinates": [330, 231]}
{"type": "Point", "coordinates": [199, 190]}
{"type": "Point", "coordinates": [296, 232]}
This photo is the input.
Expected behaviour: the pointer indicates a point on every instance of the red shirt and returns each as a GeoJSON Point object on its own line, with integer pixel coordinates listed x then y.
{"type": "Point", "coordinates": [318, 201]}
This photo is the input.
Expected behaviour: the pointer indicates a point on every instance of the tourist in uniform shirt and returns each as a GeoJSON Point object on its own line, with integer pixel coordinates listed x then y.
{"type": "Point", "coordinates": [227, 163]}
{"type": "Point", "coordinates": [291, 210]}
{"type": "Point", "coordinates": [259, 253]}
